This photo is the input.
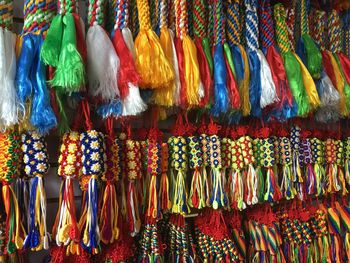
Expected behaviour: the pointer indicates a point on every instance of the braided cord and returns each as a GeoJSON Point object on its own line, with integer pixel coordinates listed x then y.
{"type": "Point", "coordinates": [134, 18]}
{"type": "Point", "coordinates": [266, 28]}
{"type": "Point", "coordinates": [181, 18]}
{"type": "Point", "coordinates": [38, 15]}
{"type": "Point", "coordinates": [211, 20]}
{"type": "Point", "coordinates": [219, 36]}
{"type": "Point", "coordinates": [153, 5]}
{"type": "Point", "coordinates": [233, 22]}
{"type": "Point", "coordinates": [318, 25]}
{"type": "Point", "coordinates": [6, 14]}
{"type": "Point", "coordinates": [334, 32]}
{"type": "Point", "coordinates": [163, 14]}
{"type": "Point", "coordinates": [69, 6]}
{"type": "Point", "coordinates": [143, 14]}
{"type": "Point", "coordinates": [304, 17]}
{"type": "Point", "coordinates": [199, 19]}
{"type": "Point", "coordinates": [121, 14]}
{"type": "Point", "coordinates": [252, 33]}
{"type": "Point", "coordinates": [96, 12]}
{"type": "Point", "coordinates": [281, 28]}
{"type": "Point", "coordinates": [290, 20]}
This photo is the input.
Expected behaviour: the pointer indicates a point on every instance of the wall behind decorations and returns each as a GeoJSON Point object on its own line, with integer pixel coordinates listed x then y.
{"type": "Point", "coordinates": [52, 181]}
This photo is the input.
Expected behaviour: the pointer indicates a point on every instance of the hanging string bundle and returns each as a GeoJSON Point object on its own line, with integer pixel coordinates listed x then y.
{"type": "Point", "coordinates": [151, 62]}
{"type": "Point", "coordinates": [65, 229]}
{"type": "Point", "coordinates": [10, 159]}
{"type": "Point", "coordinates": [32, 93]}
{"type": "Point", "coordinates": [200, 12]}
{"type": "Point", "coordinates": [283, 109]}
{"type": "Point", "coordinates": [285, 157]}
{"type": "Point", "coordinates": [128, 77]}
{"type": "Point", "coordinates": [8, 108]}
{"type": "Point", "coordinates": [250, 176]}
{"type": "Point", "coordinates": [235, 185]}
{"type": "Point", "coordinates": [36, 165]}
{"type": "Point", "coordinates": [262, 89]}
{"type": "Point", "coordinates": [297, 161]}
{"type": "Point", "coordinates": [164, 188]}
{"type": "Point", "coordinates": [291, 63]}
{"type": "Point", "coordinates": [309, 173]}
{"type": "Point", "coordinates": [109, 215]}
{"type": "Point", "coordinates": [169, 95]}
{"type": "Point", "coordinates": [93, 159]}
{"type": "Point", "coordinates": [192, 89]}
{"type": "Point", "coordinates": [330, 97]}
{"type": "Point", "coordinates": [179, 159]}
{"type": "Point", "coordinates": [318, 157]}
{"type": "Point", "coordinates": [239, 56]}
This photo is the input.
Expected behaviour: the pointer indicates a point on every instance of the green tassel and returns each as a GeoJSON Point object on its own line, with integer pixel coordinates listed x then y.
{"type": "Point", "coordinates": [69, 76]}
{"type": "Point", "coordinates": [229, 58]}
{"type": "Point", "coordinates": [296, 83]}
{"type": "Point", "coordinates": [313, 56]}
{"type": "Point", "coordinates": [206, 48]}
{"type": "Point", "coordinates": [51, 48]}
{"type": "Point", "coordinates": [346, 86]}
{"type": "Point", "coordinates": [261, 184]}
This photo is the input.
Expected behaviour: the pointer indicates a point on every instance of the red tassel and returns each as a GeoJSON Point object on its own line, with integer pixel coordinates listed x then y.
{"type": "Point", "coordinates": [279, 77]}
{"type": "Point", "coordinates": [232, 88]}
{"type": "Point", "coordinates": [204, 72]}
{"type": "Point", "coordinates": [180, 58]}
{"type": "Point", "coordinates": [81, 43]}
{"type": "Point", "coordinates": [127, 73]}
{"type": "Point", "coordinates": [328, 67]}
{"type": "Point", "coordinates": [345, 65]}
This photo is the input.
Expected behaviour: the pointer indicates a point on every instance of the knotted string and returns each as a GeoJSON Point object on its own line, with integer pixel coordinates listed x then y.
{"type": "Point", "coordinates": [6, 14]}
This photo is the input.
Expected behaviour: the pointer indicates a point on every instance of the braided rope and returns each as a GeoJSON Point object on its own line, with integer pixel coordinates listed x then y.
{"type": "Point", "coordinates": [199, 18]}
{"type": "Point", "coordinates": [290, 20]}
{"type": "Point", "coordinates": [219, 27]}
{"type": "Point", "coordinates": [252, 33]}
{"type": "Point", "coordinates": [266, 27]}
{"type": "Point", "coordinates": [153, 7]}
{"type": "Point", "coordinates": [334, 32]}
{"type": "Point", "coordinates": [6, 14]}
{"type": "Point", "coordinates": [69, 6]}
{"type": "Point", "coordinates": [163, 14]}
{"type": "Point", "coordinates": [121, 14]}
{"type": "Point", "coordinates": [318, 28]}
{"type": "Point", "coordinates": [281, 28]}
{"type": "Point", "coordinates": [134, 19]}
{"type": "Point", "coordinates": [38, 15]}
{"type": "Point", "coordinates": [233, 22]}
{"type": "Point", "coordinates": [304, 17]}
{"type": "Point", "coordinates": [210, 20]}
{"type": "Point", "coordinates": [143, 14]}
{"type": "Point", "coordinates": [96, 12]}
{"type": "Point", "coordinates": [181, 18]}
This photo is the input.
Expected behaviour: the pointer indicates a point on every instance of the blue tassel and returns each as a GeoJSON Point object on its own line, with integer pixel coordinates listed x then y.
{"type": "Point", "coordinates": [221, 100]}
{"type": "Point", "coordinates": [254, 84]}
{"type": "Point", "coordinates": [238, 62]}
{"type": "Point", "coordinates": [113, 108]}
{"type": "Point", "coordinates": [42, 116]}
{"type": "Point", "coordinates": [23, 71]}
{"type": "Point", "coordinates": [32, 239]}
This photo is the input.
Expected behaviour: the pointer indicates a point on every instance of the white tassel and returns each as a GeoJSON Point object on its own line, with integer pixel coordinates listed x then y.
{"type": "Point", "coordinates": [133, 103]}
{"type": "Point", "coordinates": [177, 94]}
{"type": "Point", "coordinates": [103, 64]}
{"type": "Point", "coordinates": [8, 105]}
{"type": "Point", "coordinates": [268, 88]}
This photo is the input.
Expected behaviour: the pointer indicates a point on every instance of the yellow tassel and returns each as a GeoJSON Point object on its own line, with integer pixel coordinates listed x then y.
{"type": "Point", "coordinates": [151, 62]}
{"type": "Point", "coordinates": [347, 244]}
{"type": "Point", "coordinates": [192, 76]}
{"type": "Point", "coordinates": [309, 84]}
{"type": "Point", "coordinates": [340, 85]}
{"type": "Point", "coordinates": [165, 95]}
{"type": "Point", "coordinates": [244, 89]}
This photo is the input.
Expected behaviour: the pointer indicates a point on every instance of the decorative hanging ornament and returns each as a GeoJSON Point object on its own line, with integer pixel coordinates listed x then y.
{"type": "Point", "coordinates": [36, 165]}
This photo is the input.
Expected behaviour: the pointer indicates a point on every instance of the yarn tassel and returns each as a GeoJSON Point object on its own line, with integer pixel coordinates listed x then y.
{"type": "Point", "coordinates": [273, 193]}
{"type": "Point", "coordinates": [308, 50]}
{"type": "Point", "coordinates": [69, 75]}
{"type": "Point", "coordinates": [8, 102]}
{"type": "Point", "coordinates": [151, 62]}
{"type": "Point", "coordinates": [268, 88]}
{"type": "Point", "coordinates": [103, 65]}
{"type": "Point", "coordinates": [196, 198]}
{"type": "Point", "coordinates": [50, 52]}
{"type": "Point", "coordinates": [345, 65]}
{"type": "Point", "coordinates": [221, 99]}
{"type": "Point", "coordinates": [133, 104]}
{"type": "Point", "coordinates": [194, 87]}
{"type": "Point", "coordinates": [204, 69]}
